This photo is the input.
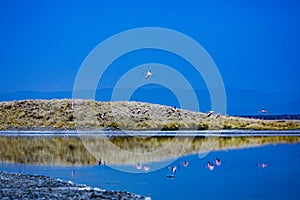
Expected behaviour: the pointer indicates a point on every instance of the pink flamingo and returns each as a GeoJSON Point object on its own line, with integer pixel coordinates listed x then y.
{"type": "Point", "coordinates": [185, 163]}
{"type": "Point", "coordinates": [262, 165]}
{"type": "Point", "coordinates": [210, 113]}
{"type": "Point", "coordinates": [138, 166]}
{"type": "Point", "coordinates": [218, 162]}
{"type": "Point", "coordinates": [146, 168]}
{"type": "Point", "coordinates": [210, 166]}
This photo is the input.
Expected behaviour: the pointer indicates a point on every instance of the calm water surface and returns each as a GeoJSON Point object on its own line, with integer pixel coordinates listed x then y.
{"type": "Point", "coordinates": [238, 176]}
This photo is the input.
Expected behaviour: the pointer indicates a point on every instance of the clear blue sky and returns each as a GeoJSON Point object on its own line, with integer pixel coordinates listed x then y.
{"type": "Point", "coordinates": [255, 44]}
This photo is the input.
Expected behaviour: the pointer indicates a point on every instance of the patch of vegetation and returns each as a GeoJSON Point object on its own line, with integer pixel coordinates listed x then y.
{"type": "Point", "coordinates": [203, 126]}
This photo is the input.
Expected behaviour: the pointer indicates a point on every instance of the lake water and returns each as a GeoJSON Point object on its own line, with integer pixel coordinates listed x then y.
{"type": "Point", "coordinates": [241, 175]}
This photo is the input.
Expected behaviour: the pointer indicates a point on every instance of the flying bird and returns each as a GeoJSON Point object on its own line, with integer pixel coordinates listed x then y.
{"type": "Point", "coordinates": [148, 74]}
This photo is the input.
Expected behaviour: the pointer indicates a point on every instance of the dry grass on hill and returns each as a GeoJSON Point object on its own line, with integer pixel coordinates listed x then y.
{"type": "Point", "coordinates": [87, 114]}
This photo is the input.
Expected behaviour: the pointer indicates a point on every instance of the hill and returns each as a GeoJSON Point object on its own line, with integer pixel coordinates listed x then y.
{"type": "Point", "coordinates": [68, 114]}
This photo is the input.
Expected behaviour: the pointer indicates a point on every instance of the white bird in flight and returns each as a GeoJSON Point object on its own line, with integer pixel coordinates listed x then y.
{"type": "Point", "coordinates": [148, 74]}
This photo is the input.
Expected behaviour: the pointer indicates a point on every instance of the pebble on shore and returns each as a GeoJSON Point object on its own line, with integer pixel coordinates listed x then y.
{"type": "Point", "coordinates": [23, 186]}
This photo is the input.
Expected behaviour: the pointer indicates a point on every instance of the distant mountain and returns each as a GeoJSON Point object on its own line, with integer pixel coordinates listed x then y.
{"type": "Point", "coordinates": [23, 95]}
{"type": "Point", "coordinates": [249, 102]}
{"type": "Point", "coordinates": [291, 107]}
{"type": "Point", "coordinates": [239, 101]}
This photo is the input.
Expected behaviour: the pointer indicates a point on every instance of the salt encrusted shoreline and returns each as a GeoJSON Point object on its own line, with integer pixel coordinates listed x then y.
{"type": "Point", "coordinates": [24, 186]}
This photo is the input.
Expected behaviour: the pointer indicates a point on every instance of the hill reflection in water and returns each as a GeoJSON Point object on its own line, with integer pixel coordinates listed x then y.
{"type": "Point", "coordinates": [126, 150]}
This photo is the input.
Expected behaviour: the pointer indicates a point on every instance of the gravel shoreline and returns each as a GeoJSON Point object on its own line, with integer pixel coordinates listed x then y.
{"type": "Point", "coordinates": [23, 186]}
